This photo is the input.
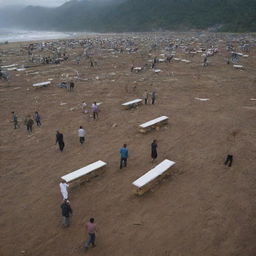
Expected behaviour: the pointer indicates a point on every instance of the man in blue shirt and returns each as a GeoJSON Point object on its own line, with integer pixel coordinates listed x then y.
{"type": "Point", "coordinates": [123, 156]}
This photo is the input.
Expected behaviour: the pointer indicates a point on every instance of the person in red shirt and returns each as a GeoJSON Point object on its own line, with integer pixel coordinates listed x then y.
{"type": "Point", "coordinates": [91, 229]}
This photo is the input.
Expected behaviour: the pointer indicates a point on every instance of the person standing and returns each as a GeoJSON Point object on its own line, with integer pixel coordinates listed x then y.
{"type": "Point", "coordinates": [91, 229]}
{"type": "Point", "coordinates": [153, 97]}
{"type": "Point", "coordinates": [15, 120]}
{"type": "Point", "coordinates": [95, 111]}
{"type": "Point", "coordinates": [145, 97]}
{"type": "Point", "coordinates": [123, 156]}
{"type": "Point", "coordinates": [71, 86]}
{"type": "Point", "coordinates": [29, 123]}
{"type": "Point", "coordinates": [37, 119]}
{"type": "Point", "coordinates": [66, 212]}
{"type": "Point", "coordinates": [64, 189]}
{"type": "Point", "coordinates": [81, 134]}
{"type": "Point", "coordinates": [91, 63]}
{"type": "Point", "coordinates": [154, 150]}
{"type": "Point", "coordinates": [60, 140]}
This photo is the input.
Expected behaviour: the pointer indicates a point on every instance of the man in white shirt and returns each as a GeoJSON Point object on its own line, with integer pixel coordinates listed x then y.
{"type": "Point", "coordinates": [81, 134]}
{"type": "Point", "coordinates": [64, 189]}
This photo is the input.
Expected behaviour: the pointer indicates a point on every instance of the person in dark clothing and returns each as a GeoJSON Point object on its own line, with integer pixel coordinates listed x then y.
{"type": "Point", "coordinates": [229, 160]}
{"type": "Point", "coordinates": [123, 156]}
{"type": "Point", "coordinates": [153, 97]}
{"type": "Point", "coordinates": [169, 58]}
{"type": "Point", "coordinates": [91, 63]}
{"type": "Point", "coordinates": [71, 86]}
{"type": "Point", "coordinates": [205, 61]}
{"type": "Point", "coordinates": [153, 150]}
{"type": "Point", "coordinates": [29, 124]}
{"type": "Point", "coordinates": [66, 212]}
{"type": "Point", "coordinates": [60, 140]}
{"type": "Point", "coordinates": [37, 119]}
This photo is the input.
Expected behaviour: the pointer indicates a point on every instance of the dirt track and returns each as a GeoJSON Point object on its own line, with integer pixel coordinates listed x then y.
{"type": "Point", "coordinates": [203, 208]}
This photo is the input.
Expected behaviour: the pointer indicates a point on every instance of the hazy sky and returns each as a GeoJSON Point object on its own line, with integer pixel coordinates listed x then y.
{"type": "Point", "coordinates": [32, 2]}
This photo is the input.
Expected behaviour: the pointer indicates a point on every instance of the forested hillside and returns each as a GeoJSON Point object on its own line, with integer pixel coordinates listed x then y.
{"type": "Point", "coordinates": [141, 15]}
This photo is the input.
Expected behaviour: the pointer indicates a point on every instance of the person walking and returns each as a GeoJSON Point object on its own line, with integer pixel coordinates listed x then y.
{"type": "Point", "coordinates": [84, 110]}
{"type": "Point", "coordinates": [95, 111]}
{"type": "Point", "coordinates": [205, 62]}
{"type": "Point", "coordinates": [229, 160]}
{"type": "Point", "coordinates": [66, 212]}
{"type": "Point", "coordinates": [153, 97]}
{"type": "Point", "coordinates": [81, 134]}
{"type": "Point", "coordinates": [64, 189]}
{"type": "Point", "coordinates": [154, 150]}
{"type": "Point", "coordinates": [123, 156]}
{"type": "Point", "coordinates": [29, 124]}
{"type": "Point", "coordinates": [231, 139]}
{"type": "Point", "coordinates": [37, 119]}
{"type": "Point", "coordinates": [145, 97]}
{"type": "Point", "coordinates": [60, 140]}
{"type": "Point", "coordinates": [15, 120]}
{"type": "Point", "coordinates": [91, 230]}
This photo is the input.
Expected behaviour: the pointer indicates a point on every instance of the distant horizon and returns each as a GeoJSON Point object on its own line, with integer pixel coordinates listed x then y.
{"type": "Point", "coordinates": [24, 3]}
{"type": "Point", "coordinates": [41, 3]}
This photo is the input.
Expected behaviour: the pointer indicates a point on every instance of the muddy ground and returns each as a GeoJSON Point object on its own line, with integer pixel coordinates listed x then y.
{"type": "Point", "coordinates": [203, 208]}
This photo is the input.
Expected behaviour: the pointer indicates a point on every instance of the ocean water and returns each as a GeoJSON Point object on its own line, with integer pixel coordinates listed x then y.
{"type": "Point", "coordinates": [29, 35]}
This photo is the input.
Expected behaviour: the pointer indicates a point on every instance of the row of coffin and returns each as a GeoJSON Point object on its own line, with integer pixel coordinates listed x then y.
{"type": "Point", "coordinates": [141, 185]}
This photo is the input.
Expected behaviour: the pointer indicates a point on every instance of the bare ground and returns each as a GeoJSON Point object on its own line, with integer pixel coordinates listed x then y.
{"type": "Point", "coordinates": [203, 208]}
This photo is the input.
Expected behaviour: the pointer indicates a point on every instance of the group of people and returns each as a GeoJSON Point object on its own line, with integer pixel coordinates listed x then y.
{"type": "Point", "coordinates": [147, 95]}
{"type": "Point", "coordinates": [124, 153]}
{"type": "Point", "coordinates": [29, 121]}
{"type": "Point", "coordinates": [68, 85]}
{"type": "Point", "coordinates": [60, 138]}
{"type": "Point", "coordinates": [66, 212]}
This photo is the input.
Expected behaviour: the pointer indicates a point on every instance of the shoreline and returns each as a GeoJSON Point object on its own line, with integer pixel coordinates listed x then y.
{"type": "Point", "coordinates": [36, 36]}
